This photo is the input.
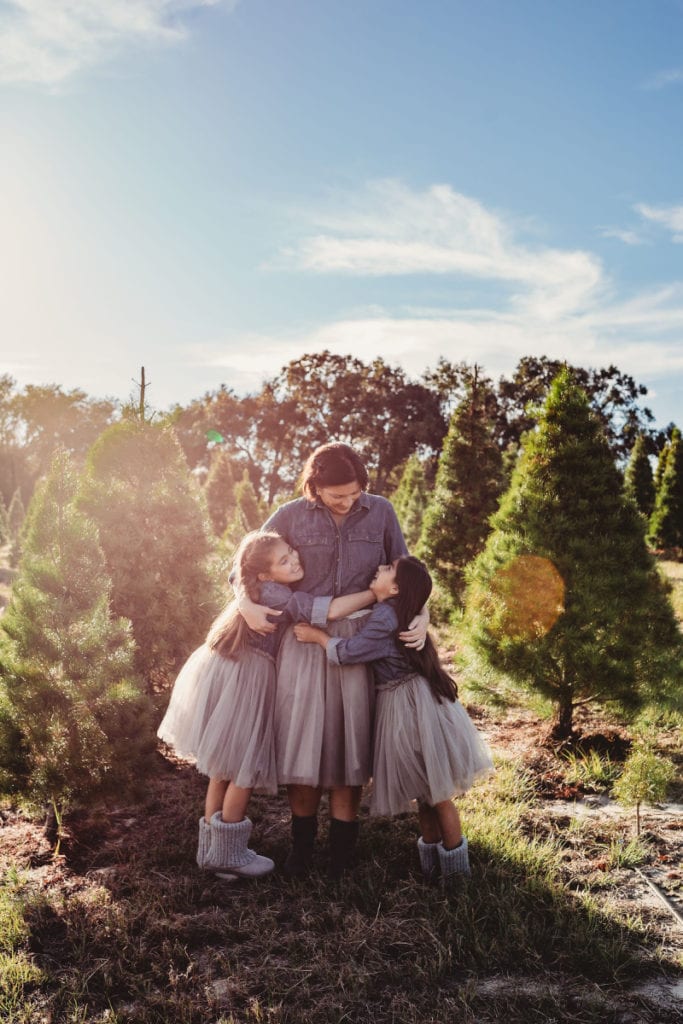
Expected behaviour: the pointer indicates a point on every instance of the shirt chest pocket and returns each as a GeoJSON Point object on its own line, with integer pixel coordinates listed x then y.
{"type": "Point", "coordinates": [365, 549]}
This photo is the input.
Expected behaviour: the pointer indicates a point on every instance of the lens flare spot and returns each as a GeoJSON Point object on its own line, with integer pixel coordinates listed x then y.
{"type": "Point", "coordinates": [529, 597]}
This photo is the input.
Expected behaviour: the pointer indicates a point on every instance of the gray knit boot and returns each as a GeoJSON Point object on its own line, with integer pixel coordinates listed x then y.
{"type": "Point", "coordinates": [429, 859]}
{"type": "Point", "coordinates": [204, 842]}
{"type": "Point", "coordinates": [454, 862]}
{"type": "Point", "coordinates": [229, 853]}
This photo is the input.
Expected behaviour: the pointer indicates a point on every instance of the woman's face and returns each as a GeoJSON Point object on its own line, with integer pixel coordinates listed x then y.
{"type": "Point", "coordinates": [340, 498]}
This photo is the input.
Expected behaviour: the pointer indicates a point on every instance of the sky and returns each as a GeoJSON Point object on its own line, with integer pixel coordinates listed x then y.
{"type": "Point", "coordinates": [212, 188]}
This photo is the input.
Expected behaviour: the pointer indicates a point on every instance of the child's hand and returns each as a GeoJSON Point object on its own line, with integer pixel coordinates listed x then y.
{"type": "Point", "coordinates": [306, 634]}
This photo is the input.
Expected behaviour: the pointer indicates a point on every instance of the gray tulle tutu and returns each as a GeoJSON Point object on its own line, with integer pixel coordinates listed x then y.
{"type": "Point", "coordinates": [423, 750]}
{"type": "Point", "coordinates": [323, 714]}
{"type": "Point", "coordinates": [220, 715]}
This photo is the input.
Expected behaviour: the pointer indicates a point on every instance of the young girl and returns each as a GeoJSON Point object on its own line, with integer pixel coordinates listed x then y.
{"type": "Point", "coordinates": [426, 747]}
{"type": "Point", "coordinates": [221, 709]}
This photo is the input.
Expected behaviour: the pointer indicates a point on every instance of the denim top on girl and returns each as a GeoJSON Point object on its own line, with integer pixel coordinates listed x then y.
{"type": "Point", "coordinates": [339, 560]}
{"type": "Point", "coordinates": [295, 607]}
{"type": "Point", "coordinates": [376, 642]}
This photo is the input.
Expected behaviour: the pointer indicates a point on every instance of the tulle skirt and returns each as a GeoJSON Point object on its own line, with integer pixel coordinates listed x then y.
{"type": "Point", "coordinates": [220, 715]}
{"type": "Point", "coordinates": [423, 750]}
{"type": "Point", "coordinates": [323, 714]}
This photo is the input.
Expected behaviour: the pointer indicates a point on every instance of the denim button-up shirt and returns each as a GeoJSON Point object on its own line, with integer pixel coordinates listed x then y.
{"type": "Point", "coordinates": [343, 559]}
{"type": "Point", "coordinates": [299, 607]}
{"type": "Point", "coordinates": [376, 642]}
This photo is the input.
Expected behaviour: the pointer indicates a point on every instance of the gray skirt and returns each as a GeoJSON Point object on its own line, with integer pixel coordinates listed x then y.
{"type": "Point", "coordinates": [323, 714]}
{"type": "Point", "coordinates": [220, 716]}
{"type": "Point", "coordinates": [423, 751]}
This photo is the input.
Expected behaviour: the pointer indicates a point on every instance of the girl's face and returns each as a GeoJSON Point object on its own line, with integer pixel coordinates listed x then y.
{"type": "Point", "coordinates": [340, 498]}
{"type": "Point", "coordinates": [285, 566]}
{"type": "Point", "coordinates": [383, 584]}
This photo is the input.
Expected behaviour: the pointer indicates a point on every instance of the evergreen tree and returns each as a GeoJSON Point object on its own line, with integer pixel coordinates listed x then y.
{"type": "Point", "coordinates": [69, 697]}
{"type": "Point", "coordinates": [155, 536]}
{"type": "Point", "coordinates": [410, 500]}
{"type": "Point", "coordinates": [469, 482]}
{"type": "Point", "coordinates": [248, 513]}
{"type": "Point", "coordinates": [638, 479]}
{"type": "Point", "coordinates": [565, 598]}
{"type": "Point", "coordinates": [15, 517]}
{"type": "Point", "coordinates": [661, 465]}
{"type": "Point", "coordinates": [666, 522]}
{"type": "Point", "coordinates": [219, 490]}
{"type": "Point", "coordinates": [5, 532]}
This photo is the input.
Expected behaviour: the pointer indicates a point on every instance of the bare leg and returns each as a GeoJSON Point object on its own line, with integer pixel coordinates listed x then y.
{"type": "Point", "coordinates": [235, 803]}
{"type": "Point", "coordinates": [344, 802]}
{"type": "Point", "coordinates": [215, 794]}
{"type": "Point", "coordinates": [304, 800]}
{"type": "Point", "coordinates": [449, 823]}
{"type": "Point", "coordinates": [429, 823]}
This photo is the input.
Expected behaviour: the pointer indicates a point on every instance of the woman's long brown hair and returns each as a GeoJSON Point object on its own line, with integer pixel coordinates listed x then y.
{"type": "Point", "coordinates": [414, 587]}
{"type": "Point", "coordinates": [229, 633]}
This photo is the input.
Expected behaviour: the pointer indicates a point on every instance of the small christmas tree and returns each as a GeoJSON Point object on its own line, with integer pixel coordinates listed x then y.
{"type": "Point", "coordinates": [219, 490]}
{"type": "Point", "coordinates": [410, 500]}
{"type": "Point", "coordinates": [68, 689]}
{"type": "Point", "coordinates": [15, 517]}
{"type": "Point", "coordinates": [666, 522]}
{"type": "Point", "coordinates": [639, 480]}
{"type": "Point", "coordinates": [565, 598]}
{"type": "Point", "coordinates": [248, 514]}
{"type": "Point", "coordinates": [156, 541]}
{"type": "Point", "coordinates": [645, 778]}
{"type": "Point", "coordinates": [469, 482]}
{"type": "Point", "coordinates": [5, 531]}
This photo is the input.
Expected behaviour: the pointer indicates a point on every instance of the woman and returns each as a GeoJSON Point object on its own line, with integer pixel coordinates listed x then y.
{"type": "Point", "coordinates": [323, 712]}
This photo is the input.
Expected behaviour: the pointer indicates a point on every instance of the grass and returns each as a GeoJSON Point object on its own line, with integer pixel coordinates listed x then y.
{"type": "Point", "coordinates": [132, 932]}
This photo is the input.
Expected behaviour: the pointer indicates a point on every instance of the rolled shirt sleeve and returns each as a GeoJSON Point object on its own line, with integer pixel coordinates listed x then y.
{"type": "Point", "coordinates": [373, 641]}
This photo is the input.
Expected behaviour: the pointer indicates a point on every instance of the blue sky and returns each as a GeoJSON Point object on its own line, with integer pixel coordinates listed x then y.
{"type": "Point", "coordinates": [210, 189]}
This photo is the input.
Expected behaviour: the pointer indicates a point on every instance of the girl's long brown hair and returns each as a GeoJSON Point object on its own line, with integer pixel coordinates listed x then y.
{"type": "Point", "coordinates": [229, 633]}
{"type": "Point", "coordinates": [414, 587]}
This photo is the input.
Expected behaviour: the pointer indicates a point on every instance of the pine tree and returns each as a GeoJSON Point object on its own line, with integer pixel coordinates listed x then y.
{"type": "Point", "coordinates": [69, 696]}
{"type": "Point", "coordinates": [156, 541]}
{"type": "Point", "coordinates": [5, 532]}
{"type": "Point", "coordinates": [248, 514]}
{"type": "Point", "coordinates": [666, 522]}
{"type": "Point", "coordinates": [638, 479]}
{"type": "Point", "coordinates": [15, 517]}
{"type": "Point", "coordinates": [468, 485]}
{"type": "Point", "coordinates": [220, 492]}
{"type": "Point", "coordinates": [410, 500]}
{"type": "Point", "coordinates": [565, 598]}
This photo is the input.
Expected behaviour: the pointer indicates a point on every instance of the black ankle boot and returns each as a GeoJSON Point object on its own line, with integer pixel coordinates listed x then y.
{"type": "Point", "coordinates": [300, 858]}
{"type": "Point", "coordinates": [343, 838]}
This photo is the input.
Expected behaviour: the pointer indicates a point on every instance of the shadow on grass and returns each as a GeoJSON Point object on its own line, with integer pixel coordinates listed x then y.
{"type": "Point", "coordinates": [149, 938]}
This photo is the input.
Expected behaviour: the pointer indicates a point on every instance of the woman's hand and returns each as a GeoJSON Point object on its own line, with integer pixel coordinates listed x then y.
{"type": "Point", "coordinates": [306, 634]}
{"type": "Point", "coordinates": [255, 616]}
{"type": "Point", "coordinates": [416, 634]}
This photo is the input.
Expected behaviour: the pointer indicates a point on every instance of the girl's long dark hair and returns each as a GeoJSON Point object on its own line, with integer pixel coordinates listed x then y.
{"type": "Point", "coordinates": [414, 587]}
{"type": "Point", "coordinates": [229, 633]}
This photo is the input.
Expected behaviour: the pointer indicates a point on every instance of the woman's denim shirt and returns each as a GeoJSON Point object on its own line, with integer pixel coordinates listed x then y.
{"type": "Point", "coordinates": [376, 642]}
{"type": "Point", "coordinates": [340, 560]}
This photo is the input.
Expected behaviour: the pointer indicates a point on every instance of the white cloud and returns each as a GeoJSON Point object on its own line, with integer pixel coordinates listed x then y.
{"type": "Point", "coordinates": [662, 79]}
{"type": "Point", "coordinates": [47, 41]}
{"type": "Point", "coordinates": [623, 235]}
{"type": "Point", "coordinates": [389, 230]}
{"type": "Point", "coordinates": [670, 217]}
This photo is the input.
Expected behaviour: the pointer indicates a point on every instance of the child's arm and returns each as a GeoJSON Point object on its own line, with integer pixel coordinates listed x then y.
{"type": "Point", "coordinates": [375, 639]}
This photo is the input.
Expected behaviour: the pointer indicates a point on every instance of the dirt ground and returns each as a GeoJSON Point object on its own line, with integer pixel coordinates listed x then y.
{"type": "Point", "coordinates": [588, 822]}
